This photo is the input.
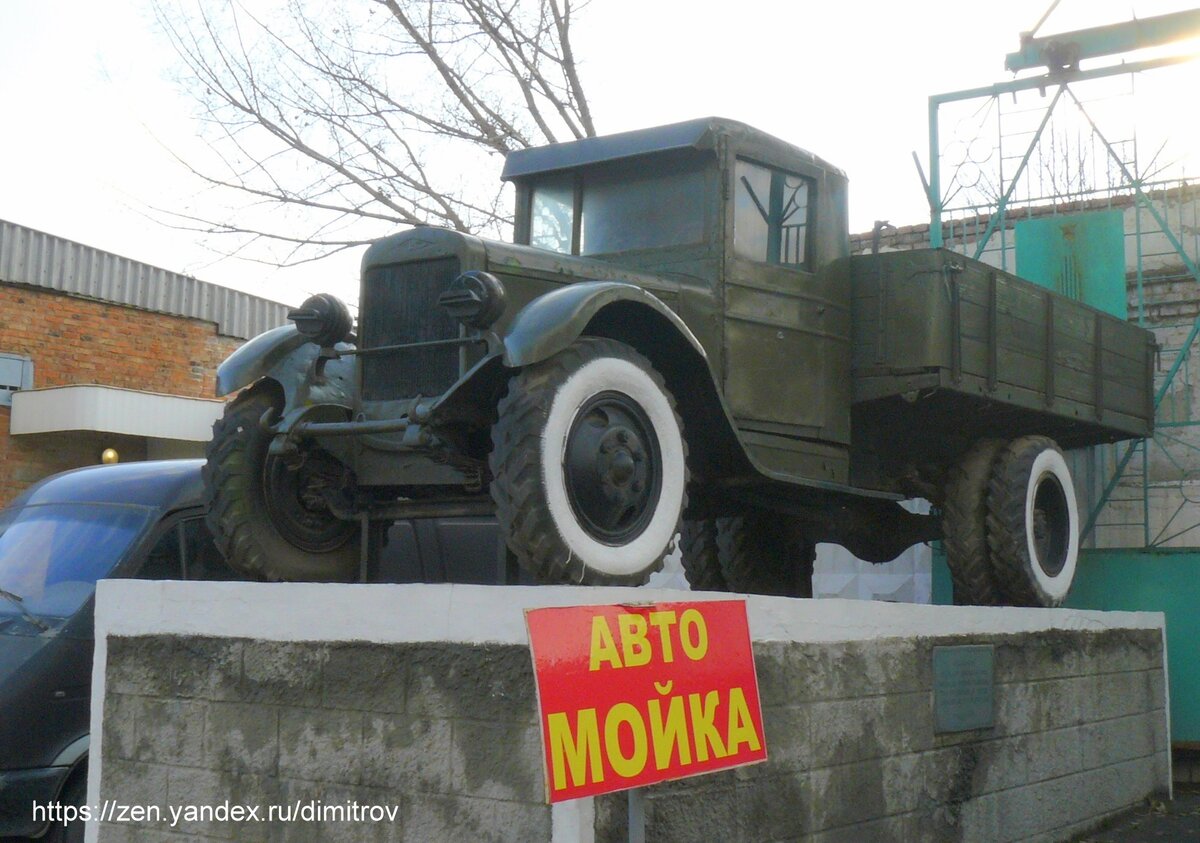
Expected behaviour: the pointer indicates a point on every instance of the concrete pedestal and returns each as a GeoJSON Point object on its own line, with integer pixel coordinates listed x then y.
{"type": "Point", "coordinates": [421, 698]}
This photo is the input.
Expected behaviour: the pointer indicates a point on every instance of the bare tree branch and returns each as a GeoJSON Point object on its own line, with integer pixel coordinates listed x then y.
{"type": "Point", "coordinates": [335, 123]}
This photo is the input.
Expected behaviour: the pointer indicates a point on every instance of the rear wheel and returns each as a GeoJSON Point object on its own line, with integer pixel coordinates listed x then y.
{"type": "Point", "coordinates": [763, 553]}
{"type": "Point", "coordinates": [964, 526]}
{"type": "Point", "coordinates": [699, 554]}
{"type": "Point", "coordinates": [589, 465]}
{"type": "Point", "coordinates": [270, 518]}
{"type": "Point", "coordinates": [1033, 523]}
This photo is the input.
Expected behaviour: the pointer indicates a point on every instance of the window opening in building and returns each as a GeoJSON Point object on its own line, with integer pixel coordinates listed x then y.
{"type": "Point", "coordinates": [16, 373]}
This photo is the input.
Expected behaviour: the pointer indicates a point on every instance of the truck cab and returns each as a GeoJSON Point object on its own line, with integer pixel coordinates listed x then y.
{"type": "Point", "coordinates": [752, 232]}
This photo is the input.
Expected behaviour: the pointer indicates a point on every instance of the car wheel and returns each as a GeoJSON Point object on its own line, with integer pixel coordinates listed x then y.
{"type": "Point", "coordinates": [74, 794]}
{"type": "Point", "coordinates": [589, 466]}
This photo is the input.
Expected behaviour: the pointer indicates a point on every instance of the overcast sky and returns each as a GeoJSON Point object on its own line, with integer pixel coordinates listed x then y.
{"type": "Point", "coordinates": [90, 107]}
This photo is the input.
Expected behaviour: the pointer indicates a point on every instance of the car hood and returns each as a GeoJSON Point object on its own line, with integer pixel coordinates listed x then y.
{"type": "Point", "coordinates": [16, 649]}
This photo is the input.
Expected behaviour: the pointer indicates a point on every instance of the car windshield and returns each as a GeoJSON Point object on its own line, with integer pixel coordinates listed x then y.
{"type": "Point", "coordinates": [52, 554]}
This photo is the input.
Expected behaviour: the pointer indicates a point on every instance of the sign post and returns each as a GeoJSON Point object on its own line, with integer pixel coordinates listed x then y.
{"type": "Point", "coordinates": [637, 815]}
{"type": "Point", "coordinates": [634, 694]}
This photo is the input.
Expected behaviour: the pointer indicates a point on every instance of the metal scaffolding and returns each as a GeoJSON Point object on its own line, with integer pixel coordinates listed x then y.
{"type": "Point", "coordinates": [1075, 148]}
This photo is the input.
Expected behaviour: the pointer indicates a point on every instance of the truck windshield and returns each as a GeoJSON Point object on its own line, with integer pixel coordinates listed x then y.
{"type": "Point", "coordinates": [621, 208]}
{"type": "Point", "coordinates": [52, 554]}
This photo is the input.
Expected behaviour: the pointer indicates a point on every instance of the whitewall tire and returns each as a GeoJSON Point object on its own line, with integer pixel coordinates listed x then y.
{"type": "Point", "coordinates": [1033, 523]}
{"type": "Point", "coordinates": [589, 466]}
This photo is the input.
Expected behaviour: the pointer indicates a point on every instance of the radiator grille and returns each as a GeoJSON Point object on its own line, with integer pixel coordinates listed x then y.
{"type": "Point", "coordinates": [399, 305]}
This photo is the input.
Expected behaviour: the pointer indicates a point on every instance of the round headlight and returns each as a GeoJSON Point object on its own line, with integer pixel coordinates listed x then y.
{"type": "Point", "coordinates": [323, 319]}
{"type": "Point", "coordinates": [474, 298]}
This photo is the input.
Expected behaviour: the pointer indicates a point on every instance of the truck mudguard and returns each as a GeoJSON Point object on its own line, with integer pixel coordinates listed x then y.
{"type": "Point", "coordinates": [284, 355]}
{"type": "Point", "coordinates": [552, 322]}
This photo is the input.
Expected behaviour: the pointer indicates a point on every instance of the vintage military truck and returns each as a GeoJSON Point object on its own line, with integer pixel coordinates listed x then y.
{"type": "Point", "coordinates": [678, 343]}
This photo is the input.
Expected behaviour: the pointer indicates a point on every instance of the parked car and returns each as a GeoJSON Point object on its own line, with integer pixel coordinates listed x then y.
{"type": "Point", "coordinates": [143, 520]}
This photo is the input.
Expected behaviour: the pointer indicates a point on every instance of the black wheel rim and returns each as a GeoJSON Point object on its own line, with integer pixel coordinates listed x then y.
{"type": "Point", "coordinates": [612, 466]}
{"type": "Point", "coordinates": [1051, 525]}
{"type": "Point", "coordinates": [296, 502]}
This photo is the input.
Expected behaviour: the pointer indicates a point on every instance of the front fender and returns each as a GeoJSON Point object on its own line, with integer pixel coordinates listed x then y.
{"type": "Point", "coordinates": [552, 322]}
{"type": "Point", "coordinates": [284, 355]}
{"type": "Point", "coordinates": [260, 355]}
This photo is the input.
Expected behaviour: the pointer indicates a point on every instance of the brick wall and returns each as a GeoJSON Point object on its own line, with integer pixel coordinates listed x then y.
{"type": "Point", "coordinates": [446, 730]}
{"type": "Point", "coordinates": [77, 341]}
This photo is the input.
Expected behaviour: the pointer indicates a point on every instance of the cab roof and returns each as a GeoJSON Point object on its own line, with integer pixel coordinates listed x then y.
{"type": "Point", "coordinates": [701, 134]}
{"type": "Point", "coordinates": [165, 485]}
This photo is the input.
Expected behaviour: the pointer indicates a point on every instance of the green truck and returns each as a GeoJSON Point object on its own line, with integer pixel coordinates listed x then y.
{"type": "Point", "coordinates": [678, 347]}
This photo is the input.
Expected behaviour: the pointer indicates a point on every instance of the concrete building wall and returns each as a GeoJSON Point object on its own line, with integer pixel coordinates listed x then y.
{"type": "Point", "coordinates": [74, 340]}
{"type": "Point", "coordinates": [422, 698]}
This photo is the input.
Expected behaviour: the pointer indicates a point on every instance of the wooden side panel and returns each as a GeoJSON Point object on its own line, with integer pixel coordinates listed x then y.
{"type": "Point", "coordinates": [982, 329]}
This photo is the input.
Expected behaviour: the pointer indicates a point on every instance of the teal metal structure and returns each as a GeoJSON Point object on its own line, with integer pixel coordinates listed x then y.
{"type": "Point", "coordinates": [1063, 52]}
{"type": "Point", "coordinates": [1081, 256]}
{"type": "Point", "coordinates": [1107, 472]}
{"type": "Point", "coordinates": [1139, 496]}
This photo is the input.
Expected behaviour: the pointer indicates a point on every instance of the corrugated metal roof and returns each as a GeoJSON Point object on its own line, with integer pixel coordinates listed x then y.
{"type": "Point", "coordinates": [38, 259]}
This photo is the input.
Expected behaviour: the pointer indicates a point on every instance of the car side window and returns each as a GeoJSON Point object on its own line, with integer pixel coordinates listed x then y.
{"type": "Point", "coordinates": [165, 559]}
{"type": "Point", "coordinates": [186, 552]}
{"type": "Point", "coordinates": [772, 215]}
{"type": "Point", "coordinates": [203, 560]}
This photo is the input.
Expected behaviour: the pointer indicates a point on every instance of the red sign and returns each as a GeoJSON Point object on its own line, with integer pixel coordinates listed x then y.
{"type": "Point", "coordinates": [630, 695]}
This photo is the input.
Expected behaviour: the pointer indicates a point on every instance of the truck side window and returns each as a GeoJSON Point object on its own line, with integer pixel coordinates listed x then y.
{"type": "Point", "coordinates": [772, 211]}
{"type": "Point", "coordinates": [552, 212]}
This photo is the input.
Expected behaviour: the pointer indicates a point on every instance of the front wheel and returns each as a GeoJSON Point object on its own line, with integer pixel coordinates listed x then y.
{"type": "Point", "coordinates": [74, 795]}
{"type": "Point", "coordinates": [590, 466]}
{"type": "Point", "coordinates": [1033, 522]}
{"type": "Point", "coordinates": [270, 518]}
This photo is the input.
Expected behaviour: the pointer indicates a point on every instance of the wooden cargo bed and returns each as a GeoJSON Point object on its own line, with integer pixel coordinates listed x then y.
{"type": "Point", "coordinates": [947, 348]}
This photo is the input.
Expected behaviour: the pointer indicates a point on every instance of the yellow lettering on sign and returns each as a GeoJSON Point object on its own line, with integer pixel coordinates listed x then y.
{"type": "Point", "coordinates": [706, 734]}
{"type": "Point", "coordinates": [575, 751]}
{"type": "Point", "coordinates": [741, 727]}
{"type": "Point", "coordinates": [683, 735]}
{"type": "Point", "coordinates": [633, 764]}
{"type": "Point", "coordinates": [634, 646]}
{"type": "Point", "coordinates": [663, 621]}
{"type": "Point", "coordinates": [695, 641]}
{"type": "Point", "coordinates": [604, 648]}
{"type": "Point", "coordinates": [669, 737]}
